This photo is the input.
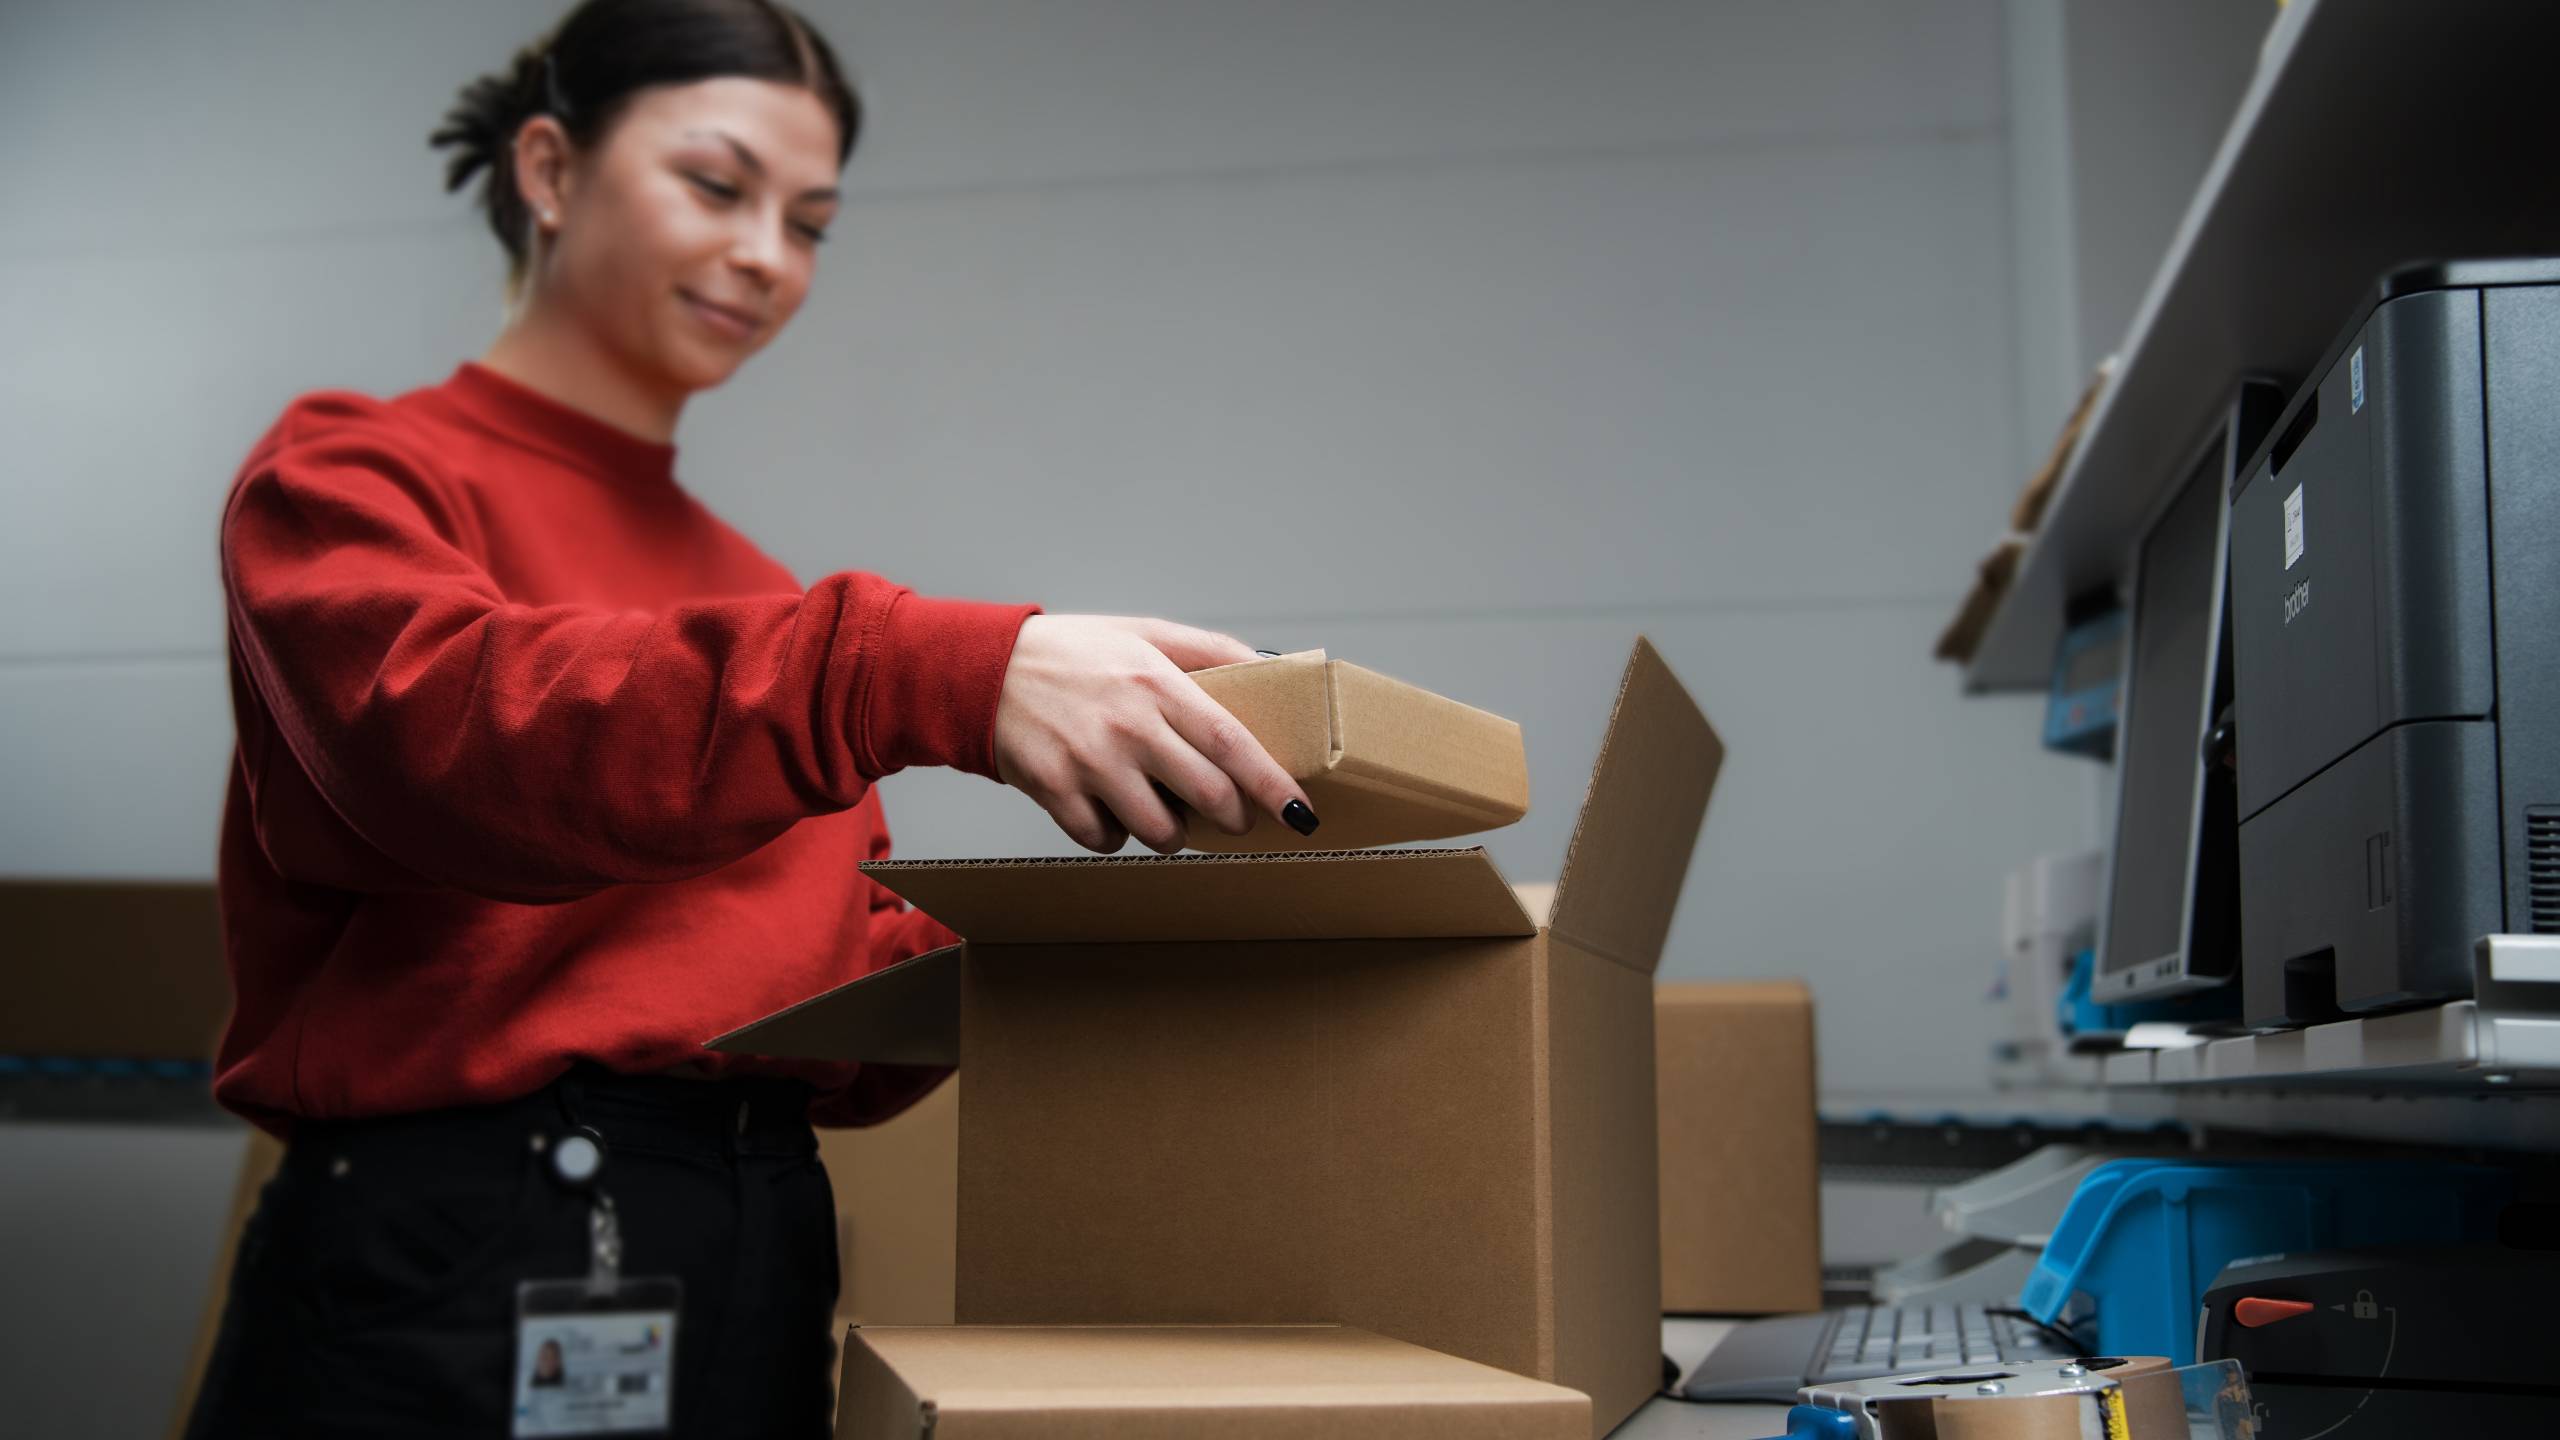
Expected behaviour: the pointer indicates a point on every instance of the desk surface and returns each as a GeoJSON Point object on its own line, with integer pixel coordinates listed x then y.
{"type": "Point", "coordinates": [1687, 1342]}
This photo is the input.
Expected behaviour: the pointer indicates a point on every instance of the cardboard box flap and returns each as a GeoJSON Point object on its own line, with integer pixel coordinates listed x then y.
{"type": "Point", "coordinates": [1112, 899]}
{"type": "Point", "coordinates": [1385, 763]}
{"type": "Point", "coordinates": [908, 1014]}
{"type": "Point", "coordinates": [1648, 796]}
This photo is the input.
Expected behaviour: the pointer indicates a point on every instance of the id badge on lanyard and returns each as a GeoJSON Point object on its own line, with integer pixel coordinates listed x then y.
{"type": "Point", "coordinates": [595, 1356]}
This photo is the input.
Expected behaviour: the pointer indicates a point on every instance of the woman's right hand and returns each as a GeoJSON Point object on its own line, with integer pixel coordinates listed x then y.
{"type": "Point", "coordinates": [1097, 712]}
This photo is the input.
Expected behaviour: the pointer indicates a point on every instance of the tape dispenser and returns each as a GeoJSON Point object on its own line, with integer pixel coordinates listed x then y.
{"type": "Point", "coordinates": [2138, 1397]}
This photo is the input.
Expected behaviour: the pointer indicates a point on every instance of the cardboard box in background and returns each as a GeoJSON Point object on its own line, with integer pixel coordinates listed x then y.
{"type": "Point", "coordinates": [897, 1211]}
{"type": "Point", "coordinates": [113, 969]}
{"type": "Point", "coordinates": [1347, 1087]}
{"type": "Point", "coordinates": [1251, 1383]}
{"type": "Point", "coordinates": [259, 1159]}
{"type": "Point", "coordinates": [1741, 1196]}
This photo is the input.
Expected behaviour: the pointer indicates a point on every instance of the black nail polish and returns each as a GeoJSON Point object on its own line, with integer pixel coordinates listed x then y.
{"type": "Point", "coordinates": [1299, 817]}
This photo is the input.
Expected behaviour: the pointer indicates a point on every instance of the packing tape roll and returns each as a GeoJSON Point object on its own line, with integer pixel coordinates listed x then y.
{"type": "Point", "coordinates": [2146, 1404]}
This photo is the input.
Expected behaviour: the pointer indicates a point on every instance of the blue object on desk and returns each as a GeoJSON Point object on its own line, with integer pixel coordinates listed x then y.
{"type": "Point", "coordinates": [2144, 1239]}
{"type": "Point", "coordinates": [1818, 1422]}
{"type": "Point", "coordinates": [2088, 667]}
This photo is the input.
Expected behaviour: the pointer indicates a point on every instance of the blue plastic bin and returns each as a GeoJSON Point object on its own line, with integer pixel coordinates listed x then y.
{"type": "Point", "coordinates": [2144, 1239]}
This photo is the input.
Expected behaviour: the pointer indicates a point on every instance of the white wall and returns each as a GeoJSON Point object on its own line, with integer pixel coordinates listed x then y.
{"type": "Point", "coordinates": [1465, 339]}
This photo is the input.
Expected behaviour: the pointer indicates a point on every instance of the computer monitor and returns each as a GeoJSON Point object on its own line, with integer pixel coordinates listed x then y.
{"type": "Point", "coordinates": [2170, 921]}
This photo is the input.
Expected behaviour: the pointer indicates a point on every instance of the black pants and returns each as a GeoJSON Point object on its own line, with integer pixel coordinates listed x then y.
{"type": "Point", "coordinates": [375, 1288]}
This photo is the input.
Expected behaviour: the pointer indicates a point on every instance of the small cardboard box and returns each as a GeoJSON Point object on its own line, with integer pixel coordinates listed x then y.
{"type": "Point", "coordinates": [1741, 1201]}
{"type": "Point", "coordinates": [1382, 762]}
{"type": "Point", "coordinates": [1316, 1382]}
{"type": "Point", "coordinates": [1342, 1087]}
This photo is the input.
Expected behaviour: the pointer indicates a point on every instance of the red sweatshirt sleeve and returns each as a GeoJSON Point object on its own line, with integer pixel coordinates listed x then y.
{"type": "Point", "coordinates": [544, 752]}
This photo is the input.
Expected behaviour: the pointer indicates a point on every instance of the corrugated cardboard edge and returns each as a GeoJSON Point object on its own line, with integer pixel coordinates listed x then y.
{"type": "Point", "coordinates": [1542, 1147]}
{"type": "Point", "coordinates": [1639, 823]}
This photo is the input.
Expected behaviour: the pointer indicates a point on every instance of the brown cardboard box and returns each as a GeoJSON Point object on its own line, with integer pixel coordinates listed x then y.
{"type": "Point", "coordinates": [1741, 1205]}
{"type": "Point", "coordinates": [1382, 761]}
{"type": "Point", "coordinates": [1741, 1210]}
{"type": "Point", "coordinates": [112, 968]}
{"type": "Point", "coordinates": [1348, 1087]}
{"type": "Point", "coordinates": [259, 1159]}
{"type": "Point", "coordinates": [1162, 1382]}
{"type": "Point", "coordinates": [897, 1203]}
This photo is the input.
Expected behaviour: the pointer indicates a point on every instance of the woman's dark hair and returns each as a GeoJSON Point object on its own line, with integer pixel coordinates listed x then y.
{"type": "Point", "coordinates": [605, 52]}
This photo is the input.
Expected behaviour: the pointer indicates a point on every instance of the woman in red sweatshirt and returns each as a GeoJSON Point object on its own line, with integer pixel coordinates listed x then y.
{"type": "Point", "coordinates": [545, 775]}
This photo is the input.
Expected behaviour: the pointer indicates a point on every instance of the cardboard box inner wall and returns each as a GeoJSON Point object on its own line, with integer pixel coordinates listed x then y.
{"type": "Point", "coordinates": [1359, 1088]}
{"type": "Point", "coordinates": [1141, 1382]}
{"type": "Point", "coordinates": [1741, 1202]}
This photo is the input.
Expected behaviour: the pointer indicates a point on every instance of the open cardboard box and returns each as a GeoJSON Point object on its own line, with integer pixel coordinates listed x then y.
{"type": "Point", "coordinates": [1300, 1382]}
{"type": "Point", "coordinates": [1360, 1087]}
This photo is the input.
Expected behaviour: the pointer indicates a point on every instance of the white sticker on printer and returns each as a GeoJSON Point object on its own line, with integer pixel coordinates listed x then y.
{"type": "Point", "coordinates": [2355, 381]}
{"type": "Point", "coordinates": [2293, 527]}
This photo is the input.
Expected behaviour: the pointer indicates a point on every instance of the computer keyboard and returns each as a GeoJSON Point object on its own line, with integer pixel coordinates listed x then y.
{"type": "Point", "coordinates": [1771, 1359]}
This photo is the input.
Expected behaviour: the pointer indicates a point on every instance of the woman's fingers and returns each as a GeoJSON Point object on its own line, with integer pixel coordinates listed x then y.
{"type": "Point", "coordinates": [1222, 740]}
{"type": "Point", "coordinates": [1085, 822]}
{"type": "Point", "coordinates": [1127, 795]}
{"type": "Point", "coordinates": [1201, 786]}
{"type": "Point", "coordinates": [1190, 648]}
{"type": "Point", "coordinates": [1100, 723]}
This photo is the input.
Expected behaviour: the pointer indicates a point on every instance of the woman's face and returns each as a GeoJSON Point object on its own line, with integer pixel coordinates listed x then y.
{"type": "Point", "coordinates": [687, 238]}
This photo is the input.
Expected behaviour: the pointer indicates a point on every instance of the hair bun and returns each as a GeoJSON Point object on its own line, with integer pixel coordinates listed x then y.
{"type": "Point", "coordinates": [488, 112]}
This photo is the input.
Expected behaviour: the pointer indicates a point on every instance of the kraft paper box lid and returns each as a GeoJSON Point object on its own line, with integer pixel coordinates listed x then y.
{"type": "Point", "coordinates": [1279, 1382]}
{"type": "Point", "coordinates": [1614, 897]}
{"type": "Point", "coordinates": [1383, 762]}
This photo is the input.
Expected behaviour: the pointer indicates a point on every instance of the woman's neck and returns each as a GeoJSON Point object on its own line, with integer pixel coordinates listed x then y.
{"type": "Point", "coordinates": [558, 358]}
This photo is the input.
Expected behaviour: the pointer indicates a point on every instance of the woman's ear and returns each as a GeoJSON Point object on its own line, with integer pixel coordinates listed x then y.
{"type": "Point", "coordinates": [542, 156]}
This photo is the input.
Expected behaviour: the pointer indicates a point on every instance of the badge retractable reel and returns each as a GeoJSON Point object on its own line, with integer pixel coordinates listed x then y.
{"type": "Point", "coordinates": [594, 1356]}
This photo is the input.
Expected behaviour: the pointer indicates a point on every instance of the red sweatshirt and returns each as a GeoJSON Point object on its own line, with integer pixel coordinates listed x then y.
{"type": "Point", "coordinates": [540, 761]}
